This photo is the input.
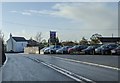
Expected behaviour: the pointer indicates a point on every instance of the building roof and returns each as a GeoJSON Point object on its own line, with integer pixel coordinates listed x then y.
{"type": "Point", "coordinates": [109, 39]}
{"type": "Point", "coordinates": [19, 39]}
{"type": "Point", "coordinates": [32, 42]}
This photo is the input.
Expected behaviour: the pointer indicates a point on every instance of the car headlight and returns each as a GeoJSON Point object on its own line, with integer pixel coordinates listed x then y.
{"type": "Point", "coordinates": [113, 51]}
{"type": "Point", "coordinates": [95, 49]}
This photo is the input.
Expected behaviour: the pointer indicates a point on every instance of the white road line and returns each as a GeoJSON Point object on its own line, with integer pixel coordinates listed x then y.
{"type": "Point", "coordinates": [89, 63]}
{"type": "Point", "coordinates": [69, 74]}
{"type": "Point", "coordinates": [76, 79]}
{"type": "Point", "coordinates": [81, 77]}
{"type": "Point", "coordinates": [74, 76]}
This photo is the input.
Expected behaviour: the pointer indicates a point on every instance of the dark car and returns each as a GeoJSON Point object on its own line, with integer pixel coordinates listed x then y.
{"type": "Point", "coordinates": [98, 50]}
{"type": "Point", "coordinates": [107, 49]}
{"type": "Point", "coordinates": [63, 50]}
{"type": "Point", "coordinates": [76, 49]}
{"type": "Point", "coordinates": [90, 49]}
{"type": "Point", "coordinates": [116, 51]}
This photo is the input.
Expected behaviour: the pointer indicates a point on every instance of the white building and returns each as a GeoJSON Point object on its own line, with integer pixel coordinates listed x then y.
{"type": "Point", "coordinates": [16, 44]}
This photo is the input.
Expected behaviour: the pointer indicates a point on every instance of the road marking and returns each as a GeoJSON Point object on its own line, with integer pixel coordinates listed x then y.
{"type": "Point", "coordinates": [69, 74]}
{"type": "Point", "coordinates": [74, 76]}
{"type": "Point", "coordinates": [89, 63]}
{"type": "Point", "coordinates": [62, 72]}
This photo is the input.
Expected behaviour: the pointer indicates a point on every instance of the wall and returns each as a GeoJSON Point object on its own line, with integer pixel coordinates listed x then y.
{"type": "Point", "coordinates": [9, 45]}
{"type": "Point", "coordinates": [31, 50]}
{"type": "Point", "coordinates": [19, 46]}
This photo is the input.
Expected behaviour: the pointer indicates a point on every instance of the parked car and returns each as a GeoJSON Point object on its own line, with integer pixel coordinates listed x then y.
{"type": "Point", "coordinates": [116, 51]}
{"type": "Point", "coordinates": [47, 50]}
{"type": "Point", "coordinates": [54, 49]}
{"type": "Point", "coordinates": [63, 50]}
{"type": "Point", "coordinates": [108, 48]}
{"type": "Point", "coordinates": [90, 49]}
{"type": "Point", "coordinates": [76, 49]}
{"type": "Point", "coordinates": [105, 49]}
{"type": "Point", "coordinates": [98, 50]}
{"type": "Point", "coordinates": [42, 50]}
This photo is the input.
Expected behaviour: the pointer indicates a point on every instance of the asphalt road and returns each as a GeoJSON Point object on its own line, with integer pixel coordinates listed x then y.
{"type": "Point", "coordinates": [31, 67]}
{"type": "Point", "coordinates": [98, 59]}
{"type": "Point", "coordinates": [20, 68]}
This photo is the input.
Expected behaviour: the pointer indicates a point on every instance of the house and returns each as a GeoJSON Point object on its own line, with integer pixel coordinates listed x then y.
{"type": "Point", "coordinates": [16, 44]}
{"type": "Point", "coordinates": [105, 40]}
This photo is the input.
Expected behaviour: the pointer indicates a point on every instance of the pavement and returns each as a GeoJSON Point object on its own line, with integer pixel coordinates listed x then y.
{"type": "Point", "coordinates": [33, 67]}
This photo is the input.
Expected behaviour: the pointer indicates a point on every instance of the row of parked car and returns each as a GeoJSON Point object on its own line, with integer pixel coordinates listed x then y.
{"type": "Point", "coordinates": [83, 49]}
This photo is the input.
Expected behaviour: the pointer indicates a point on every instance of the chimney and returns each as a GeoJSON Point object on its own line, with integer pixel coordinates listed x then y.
{"type": "Point", "coordinates": [10, 35]}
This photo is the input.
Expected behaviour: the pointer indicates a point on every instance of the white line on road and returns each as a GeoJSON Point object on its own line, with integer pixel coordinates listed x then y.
{"type": "Point", "coordinates": [89, 63]}
{"type": "Point", "coordinates": [72, 75]}
{"type": "Point", "coordinates": [69, 74]}
{"type": "Point", "coordinates": [62, 72]}
{"type": "Point", "coordinates": [81, 77]}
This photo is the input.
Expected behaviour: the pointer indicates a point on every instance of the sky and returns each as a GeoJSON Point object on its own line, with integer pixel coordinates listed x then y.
{"type": "Point", "coordinates": [71, 20]}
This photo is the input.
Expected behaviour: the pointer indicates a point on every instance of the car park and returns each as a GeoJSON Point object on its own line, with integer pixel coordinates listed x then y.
{"type": "Point", "coordinates": [63, 50]}
{"type": "Point", "coordinates": [116, 50]}
{"type": "Point", "coordinates": [76, 49]}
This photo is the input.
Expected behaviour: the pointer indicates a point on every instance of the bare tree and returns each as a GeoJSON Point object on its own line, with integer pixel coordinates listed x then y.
{"type": "Point", "coordinates": [39, 37]}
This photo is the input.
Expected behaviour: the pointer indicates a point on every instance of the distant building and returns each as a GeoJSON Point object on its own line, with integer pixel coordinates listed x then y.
{"type": "Point", "coordinates": [33, 47]}
{"type": "Point", "coordinates": [16, 44]}
{"type": "Point", "coordinates": [105, 40]}
{"type": "Point", "coordinates": [32, 43]}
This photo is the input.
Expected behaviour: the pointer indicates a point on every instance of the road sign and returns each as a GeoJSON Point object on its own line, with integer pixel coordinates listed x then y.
{"type": "Point", "coordinates": [53, 34]}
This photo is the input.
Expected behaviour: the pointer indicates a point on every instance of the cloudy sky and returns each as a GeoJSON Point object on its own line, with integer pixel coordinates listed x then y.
{"type": "Point", "coordinates": [71, 20]}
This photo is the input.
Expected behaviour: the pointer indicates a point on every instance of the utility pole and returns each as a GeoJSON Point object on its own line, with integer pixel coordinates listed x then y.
{"type": "Point", "coordinates": [112, 35]}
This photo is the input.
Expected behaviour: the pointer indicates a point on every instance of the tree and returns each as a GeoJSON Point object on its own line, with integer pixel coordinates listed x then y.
{"type": "Point", "coordinates": [44, 42]}
{"type": "Point", "coordinates": [95, 38]}
{"type": "Point", "coordinates": [83, 41]}
{"type": "Point", "coordinates": [68, 43]}
{"type": "Point", "coordinates": [39, 37]}
{"type": "Point", "coordinates": [3, 57]}
{"type": "Point", "coordinates": [1, 35]}
{"type": "Point", "coordinates": [57, 40]}
{"type": "Point", "coordinates": [75, 42]}
{"type": "Point", "coordinates": [53, 41]}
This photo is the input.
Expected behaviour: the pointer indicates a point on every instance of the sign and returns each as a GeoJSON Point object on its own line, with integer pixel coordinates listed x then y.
{"type": "Point", "coordinates": [52, 34]}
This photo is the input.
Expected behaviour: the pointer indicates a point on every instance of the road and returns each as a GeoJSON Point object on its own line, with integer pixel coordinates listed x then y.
{"type": "Point", "coordinates": [31, 67]}
{"type": "Point", "coordinates": [102, 59]}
